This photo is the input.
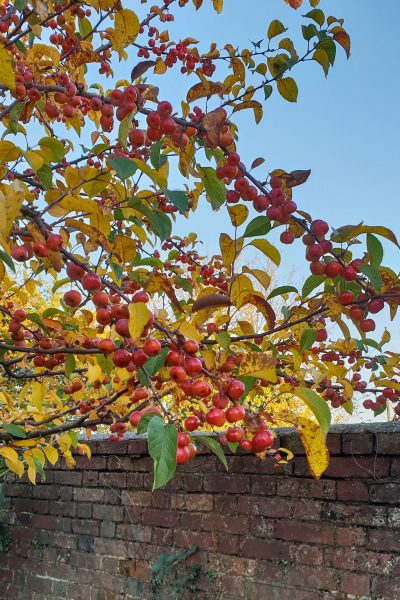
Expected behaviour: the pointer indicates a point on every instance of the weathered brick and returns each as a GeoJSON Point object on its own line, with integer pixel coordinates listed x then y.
{"type": "Point", "coordinates": [108, 513]}
{"type": "Point", "coordinates": [352, 489]}
{"type": "Point", "coordinates": [256, 548]}
{"type": "Point", "coordinates": [235, 525]}
{"type": "Point", "coordinates": [388, 443]}
{"type": "Point", "coordinates": [304, 532]}
{"type": "Point", "coordinates": [358, 443]}
{"type": "Point", "coordinates": [353, 583]}
{"type": "Point", "coordinates": [385, 493]}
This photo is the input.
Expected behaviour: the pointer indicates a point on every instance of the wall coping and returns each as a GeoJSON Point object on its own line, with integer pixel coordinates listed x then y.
{"type": "Point", "coordinates": [342, 429]}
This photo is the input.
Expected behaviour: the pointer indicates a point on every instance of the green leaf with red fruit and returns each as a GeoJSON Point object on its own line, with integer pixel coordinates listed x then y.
{"type": "Point", "coordinates": [162, 443]}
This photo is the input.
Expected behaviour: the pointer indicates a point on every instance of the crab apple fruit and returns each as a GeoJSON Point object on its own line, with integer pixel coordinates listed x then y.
{"type": "Point", "coordinates": [319, 228]}
{"type": "Point", "coordinates": [14, 326]}
{"type": "Point", "coordinates": [246, 445]}
{"type": "Point", "coordinates": [235, 389]}
{"type": "Point", "coordinates": [263, 440]}
{"type": "Point", "coordinates": [72, 298]}
{"type": "Point", "coordinates": [192, 423]}
{"type": "Point", "coordinates": [100, 299]}
{"type": "Point", "coordinates": [183, 439]}
{"type": "Point", "coordinates": [193, 366]}
{"type": "Point", "coordinates": [122, 327]}
{"type": "Point", "coordinates": [135, 417]}
{"type": "Point", "coordinates": [191, 346]}
{"type": "Point", "coordinates": [314, 252]}
{"type": "Point", "coordinates": [139, 357]}
{"type": "Point", "coordinates": [192, 450]}
{"type": "Point", "coordinates": [235, 413]}
{"type": "Point", "coordinates": [103, 316]}
{"type": "Point", "coordinates": [317, 267]}
{"type": "Point", "coordinates": [200, 388]}
{"type": "Point", "coordinates": [216, 417]}
{"type": "Point", "coordinates": [91, 282]}
{"type": "Point", "coordinates": [174, 358]}
{"type": "Point", "coordinates": [152, 347]}
{"type": "Point", "coordinates": [54, 242]}
{"type": "Point", "coordinates": [19, 253]}
{"type": "Point", "coordinates": [40, 249]}
{"type": "Point", "coordinates": [182, 455]}
{"type": "Point", "coordinates": [332, 269]}
{"type": "Point", "coordinates": [121, 358]}
{"type": "Point", "coordinates": [277, 196]}
{"type": "Point", "coordinates": [356, 312]}
{"type": "Point", "coordinates": [287, 237]}
{"type": "Point", "coordinates": [375, 305]}
{"type": "Point", "coordinates": [74, 271]}
{"type": "Point", "coordinates": [141, 297]}
{"type": "Point", "coordinates": [106, 346]}
{"type": "Point", "coordinates": [220, 401]}
{"type": "Point", "coordinates": [367, 325]}
{"type": "Point", "coordinates": [349, 273]}
{"type": "Point", "coordinates": [322, 335]}
{"type": "Point", "coordinates": [19, 315]}
{"type": "Point", "coordinates": [346, 297]}
{"type": "Point", "coordinates": [234, 434]}
{"type": "Point", "coordinates": [177, 373]}
{"type": "Point", "coordinates": [164, 109]}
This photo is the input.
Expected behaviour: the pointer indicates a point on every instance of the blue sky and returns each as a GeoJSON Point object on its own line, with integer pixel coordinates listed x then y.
{"type": "Point", "coordinates": [345, 128]}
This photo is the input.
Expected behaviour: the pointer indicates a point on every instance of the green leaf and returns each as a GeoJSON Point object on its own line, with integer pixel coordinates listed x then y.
{"type": "Point", "coordinates": [156, 158]}
{"type": "Point", "coordinates": [14, 430]}
{"type": "Point", "coordinates": [177, 198]}
{"type": "Point", "coordinates": [311, 283]}
{"type": "Point", "coordinates": [275, 28]}
{"type": "Point", "coordinates": [56, 148]}
{"type": "Point", "coordinates": [287, 87]}
{"type": "Point", "coordinates": [309, 31]}
{"type": "Point", "coordinates": [50, 312]}
{"type": "Point", "coordinates": [317, 405]}
{"type": "Point", "coordinates": [233, 446]}
{"type": "Point", "coordinates": [223, 339]}
{"type": "Point", "coordinates": [160, 223]}
{"type": "Point", "coordinates": [249, 382]}
{"type": "Point", "coordinates": [162, 443]}
{"type": "Point", "coordinates": [45, 175]}
{"type": "Point", "coordinates": [145, 420]}
{"type": "Point", "coordinates": [34, 318]}
{"type": "Point", "coordinates": [328, 46]}
{"type": "Point", "coordinates": [124, 130]}
{"type": "Point", "coordinates": [372, 343]}
{"type": "Point", "coordinates": [215, 447]}
{"type": "Point", "coordinates": [283, 289]}
{"type": "Point", "coordinates": [7, 260]}
{"type": "Point", "coordinates": [124, 167]}
{"type": "Point", "coordinates": [39, 468]}
{"type": "Point", "coordinates": [308, 337]}
{"type": "Point", "coordinates": [155, 363]}
{"type": "Point", "coordinates": [215, 189]}
{"type": "Point", "coordinates": [70, 365]}
{"type": "Point", "coordinates": [258, 226]}
{"type": "Point", "coordinates": [13, 117]}
{"type": "Point", "coordinates": [375, 250]}
{"type": "Point", "coordinates": [268, 89]}
{"type": "Point", "coordinates": [106, 363]}
{"type": "Point", "coordinates": [316, 15]}
{"type": "Point", "coordinates": [373, 275]}
{"type": "Point", "coordinates": [2, 495]}
{"type": "Point", "coordinates": [321, 57]}
{"type": "Point", "coordinates": [85, 27]}
{"type": "Point", "coordinates": [74, 437]}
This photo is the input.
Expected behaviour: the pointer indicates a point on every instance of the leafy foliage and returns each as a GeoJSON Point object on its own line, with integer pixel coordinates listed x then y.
{"type": "Point", "coordinates": [110, 318]}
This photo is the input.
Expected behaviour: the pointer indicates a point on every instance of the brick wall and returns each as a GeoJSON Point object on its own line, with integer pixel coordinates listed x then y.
{"type": "Point", "coordinates": [92, 533]}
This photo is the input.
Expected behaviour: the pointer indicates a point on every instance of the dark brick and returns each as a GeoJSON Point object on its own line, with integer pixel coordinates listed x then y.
{"type": "Point", "coordinates": [256, 548]}
{"type": "Point", "coordinates": [385, 493]}
{"type": "Point", "coordinates": [358, 443]}
{"type": "Point", "coordinates": [388, 443]}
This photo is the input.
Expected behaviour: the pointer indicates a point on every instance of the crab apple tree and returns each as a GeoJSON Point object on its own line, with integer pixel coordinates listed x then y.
{"type": "Point", "coordinates": [142, 332]}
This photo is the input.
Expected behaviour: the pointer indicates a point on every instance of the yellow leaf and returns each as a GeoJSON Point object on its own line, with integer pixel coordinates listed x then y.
{"type": "Point", "coordinates": [9, 453]}
{"type": "Point", "coordinates": [315, 446]}
{"type": "Point", "coordinates": [8, 151]}
{"type": "Point", "coordinates": [260, 275]}
{"type": "Point", "coordinates": [125, 248]}
{"type": "Point", "coordinates": [218, 5]}
{"type": "Point", "coordinates": [287, 87]}
{"type": "Point", "coordinates": [261, 304]}
{"type": "Point", "coordinates": [2, 272]}
{"type": "Point", "coordinates": [256, 106]}
{"type": "Point", "coordinates": [10, 203]}
{"type": "Point", "coordinates": [155, 176]}
{"type": "Point", "coordinates": [268, 249]}
{"type": "Point", "coordinates": [125, 31]}
{"type": "Point", "coordinates": [238, 214]}
{"type": "Point", "coordinates": [32, 475]}
{"type": "Point", "coordinates": [138, 318]}
{"type": "Point", "coordinates": [37, 394]}
{"type": "Point", "coordinates": [259, 364]}
{"type": "Point", "coordinates": [188, 330]}
{"type": "Point", "coordinates": [7, 69]}
{"type": "Point", "coordinates": [34, 158]}
{"type": "Point", "coordinates": [160, 67]}
{"type": "Point", "coordinates": [94, 373]}
{"type": "Point", "coordinates": [16, 467]}
{"type": "Point", "coordinates": [84, 450]}
{"type": "Point", "coordinates": [230, 248]}
{"type": "Point", "coordinates": [240, 285]}
{"type": "Point", "coordinates": [349, 232]}
{"type": "Point", "coordinates": [51, 454]}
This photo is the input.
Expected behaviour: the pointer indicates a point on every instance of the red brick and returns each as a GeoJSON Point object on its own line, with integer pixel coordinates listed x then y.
{"type": "Point", "coordinates": [385, 540]}
{"type": "Point", "coordinates": [191, 520]}
{"type": "Point", "coordinates": [304, 532]}
{"type": "Point", "coordinates": [307, 555]}
{"type": "Point", "coordinates": [192, 502]}
{"type": "Point", "coordinates": [359, 585]}
{"type": "Point", "coordinates": [206, 541]}
{"type": "Point", "coordinates": [385, 588]}
{"type": "Point", "coordinates": [107, 512]}
{"type": "Point", "coordinates": [136, 498]}
{"type": "Point", "coordinates": [352, 489]}
{"type": "Point", "coordinates": [358, 443]}
{"type": "Point", "coordinates": [350, 536]}
{"type": "Point", "coordinates": [320, 578]}
{"type": "Point", "coordinates": [363, 562]}
{"type": "Point", "coordinates": [261, 527]}
{"type": "Point", "coordinates": [228, 544]}
{"type": "Point", "coordinates": [160, 518]}
{"type": "Point", "coordinates": [300, 488]}
{"type": "Point", "coordinates": [233, 586]}
{"type": "Point", "coordinates": [360, 466]}
{"type": "Point", "coordinates": [355, 514]}
{"type": "Point", "coordinates": [256, 548]}
{"type": "Point", "coordinates": [228, 483]}
{"type": "Point", "coordinates": [264, 485]}
{"type": "Point", "coordinates": [228, 524]}
{"type": "Point", "coordinates": [88, 494]}
{"type": "Point", "coordinates": [273, 507]}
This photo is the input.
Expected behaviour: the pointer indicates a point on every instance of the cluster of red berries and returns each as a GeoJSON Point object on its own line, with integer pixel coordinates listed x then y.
{"type": "Point", "coordinates": [359, 311]}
